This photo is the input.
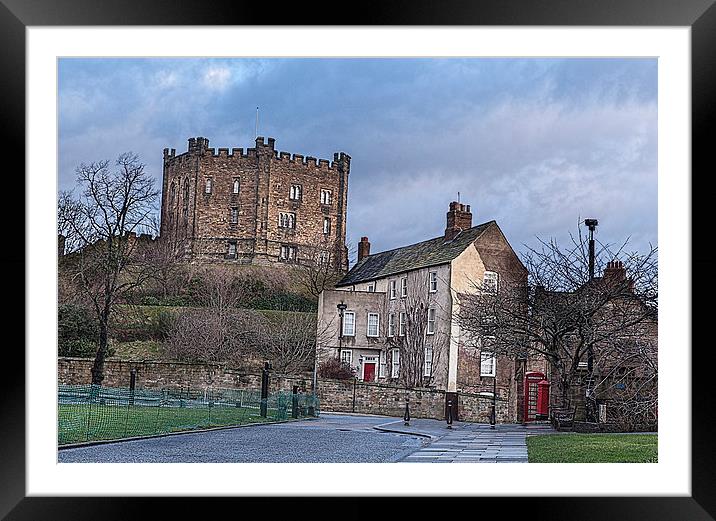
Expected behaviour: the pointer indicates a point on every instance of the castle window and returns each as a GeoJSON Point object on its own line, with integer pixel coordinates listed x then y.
{"type": "Point", "coordinates": [372, 325]}
{"type": "Point", "coordinates": [287, 220]}
{"type": "Point", "coordinates": [208, 185]}
{"type": "Point", "coordinates": [433, 281]}
{"type": "Point", "coordinates": [431, 321]}
{"type": "Point", "coordinates": [235, 186]}
{"type": "Point", "coordinates": [173, 195]}
{"type": "Point", "coordinates": [231, 252]}
{"type": "Point", "coordinates": [186, 192]}
{"type": "Point", "coordinates": [326, 225]}
{"type": "Point", "coordinates": [185, 214]}
{"type": "Point", "coordinates": [234, 215]}
{"type": "Point", "coordinates": [489, 282]}
{"type": "Point", "coordinates": [295, 193]}
{"type": "Point", "coordinates": [288, 253]}
{"type": "Point", "coordinates": [326, 197]}
{"type": "Point", "coordinates": [323, 258]}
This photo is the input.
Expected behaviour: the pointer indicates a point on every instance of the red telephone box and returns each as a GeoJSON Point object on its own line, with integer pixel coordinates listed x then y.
{"type": "Point", "coordinates": [533, 398]}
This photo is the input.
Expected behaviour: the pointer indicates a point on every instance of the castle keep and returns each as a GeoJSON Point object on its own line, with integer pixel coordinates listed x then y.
{"type": "Point", "coordinates": [255, 206]}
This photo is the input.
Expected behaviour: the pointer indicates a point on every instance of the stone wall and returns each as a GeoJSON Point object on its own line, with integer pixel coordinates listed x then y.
{"type": "Point", "coordinates": [375, 398]}
{"type": "Point", "coordinates": [334, 395]}
{"type": "Point", "coordinates": [156, 375]}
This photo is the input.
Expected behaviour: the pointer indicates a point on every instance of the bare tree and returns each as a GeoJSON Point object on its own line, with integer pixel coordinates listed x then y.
{"type": "Point", "coordinates": [567, 318]}
{"type": "Point", "coordinates": [100, 227]}
{"type": "Point", "coordinates": [421, 332]}
{"type": "Point", "coordinates": [319, 267]}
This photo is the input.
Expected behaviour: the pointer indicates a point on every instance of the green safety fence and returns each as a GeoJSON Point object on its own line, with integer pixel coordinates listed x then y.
{"type": "Point", "coordinates": [93, 412]}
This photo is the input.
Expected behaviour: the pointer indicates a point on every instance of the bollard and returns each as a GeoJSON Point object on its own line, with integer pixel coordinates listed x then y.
{"type": "Point", "coordinates": [406, 417]}
{"type": "Point", "coordinates": [449, 414]}
{"type": "Point", "coordinates": [294, 408]}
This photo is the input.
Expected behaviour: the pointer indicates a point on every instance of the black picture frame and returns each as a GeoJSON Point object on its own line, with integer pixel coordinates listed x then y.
{"type": "Point", "coordinates": [700, 15]}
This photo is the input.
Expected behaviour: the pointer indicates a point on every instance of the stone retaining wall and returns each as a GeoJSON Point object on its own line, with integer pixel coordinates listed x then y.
{"type": "Point", "coordinates": [334, 395]}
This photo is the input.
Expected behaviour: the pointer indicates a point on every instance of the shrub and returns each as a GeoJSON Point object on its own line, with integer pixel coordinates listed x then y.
{"type": "Point", "coordinates": [77, 331]}
{"type": "Point", "coordinates": [333, 368]}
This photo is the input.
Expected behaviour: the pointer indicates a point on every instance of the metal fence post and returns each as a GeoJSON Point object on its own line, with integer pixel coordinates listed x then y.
{"type": "Point", "coordinates": [449, 414]}
{"type": "Point", "coordinates": [264, 388]}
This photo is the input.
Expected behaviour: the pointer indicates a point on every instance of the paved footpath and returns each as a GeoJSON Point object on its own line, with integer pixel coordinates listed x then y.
{"type": "Point", "coordinates": [469, 442]}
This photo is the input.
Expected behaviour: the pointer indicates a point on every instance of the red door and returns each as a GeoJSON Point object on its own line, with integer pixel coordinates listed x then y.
{"type": "Point", "coordinates": [368, 372]}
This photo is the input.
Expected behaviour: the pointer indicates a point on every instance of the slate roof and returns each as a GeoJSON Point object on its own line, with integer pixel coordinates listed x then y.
{"type": "Point", "coordinates": [421, 255]}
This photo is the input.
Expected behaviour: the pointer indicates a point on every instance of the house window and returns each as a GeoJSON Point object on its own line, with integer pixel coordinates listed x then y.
{"type": "Point", "coordinates": [295, 193]}
{"type": "Point", "coordinates": [431, 321]}
{"type": "Point", "coordinates": [392, 290]}
{"type": "Point", "coordinates": [489, 282]}
{"type": "Point", "coordinates": [231, 252]}
{"type": "Point", "coordinates": [349, 323]}
{"type": "Point", "coordinates": [428, 370]}
{"type": "Point", "coordinates": [382, 368]}
{"type": "Point", "coordinates": [487, 363]}
{"type": "Point", "coordinates": [287, 220]}
{"type": "Point", "coordinates": [234, 215]}
{"type": "Point", "coordinates": [288, 252]}
{"type": "Point", "coordinates": [433, 281]}
{"type": "Point", "coordinates": [208, 185]}
{"type": "Point", "coordinates": [401, 324]}
{"type": "Point", "coordinates": [326, 197]}
{"type": "Point", "coordinates": [391, 325]}
{"type": "Point", "coordinates": [395, 363]}
{"type": "Point", "coordinates": [404, 287]}
{"type": "Point", "coordinates": [372, 325]}
{"type": "Point", "coordinates": [326, 225]}
{"type": "Point", "coordinates": [347, 356]}
{"type": "Point", "coordinates": [235, 186]}
{"type": "Point", "coordinates": [371, 287]}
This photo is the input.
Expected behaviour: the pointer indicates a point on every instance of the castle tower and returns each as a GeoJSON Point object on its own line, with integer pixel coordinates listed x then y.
{"type": "Point", "coordinates": [254, 206]}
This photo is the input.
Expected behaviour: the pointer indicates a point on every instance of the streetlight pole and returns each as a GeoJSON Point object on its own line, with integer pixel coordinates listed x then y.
{"type": "Point", "coordinates": [341, 308]}
{"type": "Point", "coordinates": [591, 224]}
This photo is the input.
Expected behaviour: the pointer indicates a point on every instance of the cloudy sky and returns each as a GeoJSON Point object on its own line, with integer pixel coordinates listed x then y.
{"type": "Point", "coordinates": [535, 144]}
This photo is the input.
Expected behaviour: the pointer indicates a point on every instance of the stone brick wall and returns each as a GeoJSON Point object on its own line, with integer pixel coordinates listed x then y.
{"type": "Point", "coordinates": [334, 395]}
{"type": "Point", "coordinates": [375, 398]}
{"type": "Point", "coordinates": [153, 375]}
{"type": "Point", "coordinates": [200, 223]}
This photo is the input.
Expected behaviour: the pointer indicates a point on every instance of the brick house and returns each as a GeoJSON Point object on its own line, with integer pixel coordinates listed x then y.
{"type": "Point", "coordinates": [368, 320]}
{"type": "Point", "coordinates": [255, 206]}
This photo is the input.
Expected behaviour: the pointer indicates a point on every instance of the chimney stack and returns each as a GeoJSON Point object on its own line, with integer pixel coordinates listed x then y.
{"type": "Point", "coordinates": [459, 218]}
{"type": "Point", "coordinates": [363, 248]}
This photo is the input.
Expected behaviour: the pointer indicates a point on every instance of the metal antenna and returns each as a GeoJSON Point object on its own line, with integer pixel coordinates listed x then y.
{"type": "Point", "coordinates": [256, 134]}
{"type": "Point", "coordinates": [458, 197]}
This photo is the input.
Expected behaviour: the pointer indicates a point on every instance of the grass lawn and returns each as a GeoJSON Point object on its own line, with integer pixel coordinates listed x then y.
{"type": "Point", "coordinates": [592, 448]}
{"type": "Point", "coordinates": [80, 422]}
